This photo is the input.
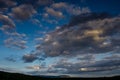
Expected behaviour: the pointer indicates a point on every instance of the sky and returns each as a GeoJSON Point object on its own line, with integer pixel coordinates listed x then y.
{"type": "Point", "coordinates": [78, 38]}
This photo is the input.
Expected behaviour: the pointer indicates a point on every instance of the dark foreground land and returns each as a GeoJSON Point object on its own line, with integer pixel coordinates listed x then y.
{"type": "Point", "coordinates": [16, 76]}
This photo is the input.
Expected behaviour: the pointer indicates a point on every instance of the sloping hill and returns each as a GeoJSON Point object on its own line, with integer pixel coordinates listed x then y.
{"type": "Point", "coordinates": [17, 76]}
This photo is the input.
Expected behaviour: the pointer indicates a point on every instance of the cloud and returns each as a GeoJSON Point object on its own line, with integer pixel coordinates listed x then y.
{"type": "Point", "coordinates": [68, 67]}
{"type": "Point", "coordinates": [7, 3]}
{"type": "Point", "coordinates": [13, 38]}
{"type": "Point", "coordinates": [7, 21]}
{"type": "Point", "coordinates": [35, 67]}
{"type": "Point", "coordinates": [11, 59]}
{"type": "Point", "coordinates": [106, 63]}
{"type": "Point", "coordinates": [60, 9]}
{"type": "Point", "coordinates": [70, 8]}
{"type": "Point", "coordinates": [23, 12]}
{"type": "Point", "coordinates": [7, 69]}
{"type": "Point", "coordinates": [15, 34]}
{"type": "Point", "coordinates": [77, 10]}
{"type": "Point", "coordinates": [29, 58]}
{"type": "Point", "coordinates": [94, 36]}
{"type": "Point", "coordinates": [44, 2]}
{"type": "Point", "coordinates": [10, 3]}
{"type": "Point", "coordinates": [33, 56]}
{"type": "Point", "coordinates": [54, 13]}
{"type": "Point", "coordinates": [59, 5]}
{"type": "Point", "coordinates": [16, 41]}
{"type": "Point", "coordinates": [36, 22]}
{"type": "Point", "coordinates": [113, 57]}
{"type": "Point", "coordinates": [82, 18]}
{"type": "Point", "coordinates": [87, 57]}
{"type": "Point", "coordinates": [7, 29]}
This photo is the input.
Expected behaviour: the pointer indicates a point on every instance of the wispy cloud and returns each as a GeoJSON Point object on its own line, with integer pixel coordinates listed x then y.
{"type": "Point", "coordinates": [17, 12]}
{"type": "Point", "coordinates": [87, 37]}
{"type": "Point", "coordinates": [7, 21]}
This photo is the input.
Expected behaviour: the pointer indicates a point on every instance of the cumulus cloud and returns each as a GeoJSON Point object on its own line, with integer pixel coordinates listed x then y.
{"type": "Point", "coordinates": [71, 9]}
{"type": "Point", "coordinates": [59, 5]}
{"type": "Point", "coordinates": [36, 22]}
{"type": "Point", "coordinates": [84, 67]}
{"type": "Point", "coordinates": [87, 57]}
{"type": "Point", "coordinates": [113, 57]}
{"type": "Point", "coordinates": [60, 9]}
{"type": "Point", "coordinates": [16, 41]}
{"type": "Point", "coordinates": [11, 59]}
{"type": "Point", "coordinates": [78, 10]}
{"type": "Point", "coordinates": [29, 58]}
{"type": "Point", "coordinates": [7, 3]}
{"type": "Point", "coordinates": [82, 18]}
{"type": "Point", "coordinates": [54, 13]}
{"type": "Point", "coordinates": [33, 56]}
{"type": "Point", "coordinates": [6, 21]}
{"type": "Point", "coordinates": [13, 39]}
{"type": "Point", "coordinates": [44, 2]}
{"type": "Point", "coordinates": [23, 12]}
{"type": "Point", "coordinates": [7, 29]}
{"type": "Point", "coordinates": [35, 67]}
{"type": "Point", "coordinates": [94, 36]}
{"type": "Point", "coordinates": [7, 69]}
{"type": "Point", "coordinates": [8, 26]}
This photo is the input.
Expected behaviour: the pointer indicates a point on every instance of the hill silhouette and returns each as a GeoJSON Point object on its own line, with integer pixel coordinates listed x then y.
{"type": "Point", "coordinates": [17, 76]}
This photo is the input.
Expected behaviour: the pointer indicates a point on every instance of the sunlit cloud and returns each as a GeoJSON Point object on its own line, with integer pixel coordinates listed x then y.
{"type": "Point", "coordinates": [7, 21]}
{"type": "Point", "coordinates": [17, 12]}
{"type": "Point", "coordinates": [36, 67]}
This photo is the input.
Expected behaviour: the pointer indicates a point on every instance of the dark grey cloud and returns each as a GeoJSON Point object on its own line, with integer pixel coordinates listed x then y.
{"type": "Point", "coordinates": [33, 56]}
{"type": "Point", "coordinates": [58, 10]}
{"type": "Point", "coordinates": [70, 8]}
{"type": "Point", "coordinates": [13, 38]}
{"type": "Point", "coordinates": [6, 29]}
{"type": "Point", "coordinates": [59, 5]}
{"type": "Point", "coordinates": [27, 58]}
{"type": "Point", "coordinates": [11, 59]}
{"type": "Point", "coordinates": [35, 67]}
{"type": "Point", "coordinates": [7, 21]}
{"type": "Point", "coordinates": [7, 69]}
{"type": "Point", "coordinates": [44, 2]}
{"type": "Point", "coordinates": [85, 17]}
{"type": "Point", "coordinates": [106, 63]}
{"type": "Point", "coordinates": [16, 40]}
{"type": "Point", "coordinates": [94, 36]}
{"type": "Point", "coordinates": [85, 67]}
{"type": "Point", "coordinates": [54, 13]}
{"type": "Point", "coordinates": [7, 3]}
{"type": "Point", "coordinates": [113, 57]}
{"type": "Point", "coordinates": [23, 12]}
{"type": "Point", "coordinates": [86, 57]}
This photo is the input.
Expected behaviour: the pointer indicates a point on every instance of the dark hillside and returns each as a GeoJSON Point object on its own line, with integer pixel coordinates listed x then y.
{"type": "Point", "coordinates": [17, 76]}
